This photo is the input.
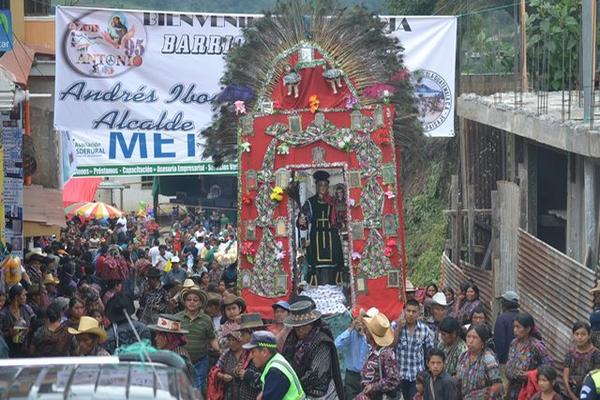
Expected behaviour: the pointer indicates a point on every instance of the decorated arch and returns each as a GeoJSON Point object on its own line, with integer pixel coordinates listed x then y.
{"type": "Point", "coordinates": [306, 99]}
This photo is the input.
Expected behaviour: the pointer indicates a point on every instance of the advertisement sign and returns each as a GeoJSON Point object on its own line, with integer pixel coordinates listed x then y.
{"type": "Point", "coordinates": [143, 82]}
{"type": "Point", "coordinates": [6, 35]}
{"type": "Point", "coordinates": [12, 140]}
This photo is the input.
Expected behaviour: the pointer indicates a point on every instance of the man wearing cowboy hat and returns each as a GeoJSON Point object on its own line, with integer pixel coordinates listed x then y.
{"type": "Point", "coordinates": [34, 260]}
{"type": "Point", "coordinates": [278, 378]}
{"type": "Point", "coordinates": [89, 335]}
{"type": "Point", "coordinates": [439, 310]}
{"type": "Point", "coordinates": [380, 373]}
{"type": "Point", "coordinates": [202, 336]}
{"type": "Point", "coordinates": [311, 351]}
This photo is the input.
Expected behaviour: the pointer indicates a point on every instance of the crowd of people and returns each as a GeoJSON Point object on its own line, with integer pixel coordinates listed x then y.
{"type": "Point", "coordinates": [104, 285]}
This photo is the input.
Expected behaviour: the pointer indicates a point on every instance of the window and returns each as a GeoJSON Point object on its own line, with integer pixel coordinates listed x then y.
{"type": "Point", "coordinates": [37, 7]}
{"type": "Point", "coordinates": [147, 182]}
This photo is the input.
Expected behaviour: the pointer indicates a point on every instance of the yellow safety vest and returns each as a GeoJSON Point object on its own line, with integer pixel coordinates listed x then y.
{"type": "Point", "coordinates": [295, 391]}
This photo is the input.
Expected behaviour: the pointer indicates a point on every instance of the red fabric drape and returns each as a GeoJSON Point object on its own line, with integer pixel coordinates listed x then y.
{"type": "Point", "coordinates": [379, 295]}
{"type": "Point", "coordinates": [80, 189]}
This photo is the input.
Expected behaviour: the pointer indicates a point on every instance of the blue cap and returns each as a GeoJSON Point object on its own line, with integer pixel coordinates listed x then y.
{"type": "Point", "coordinates": [261, 339]}
{"type": "Point", "coordinates": [282, 304]}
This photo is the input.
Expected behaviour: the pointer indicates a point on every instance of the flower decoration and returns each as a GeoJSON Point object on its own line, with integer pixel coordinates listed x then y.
{"type": "Point", "coordinates": [390, 247]}
{"type": "Point", "coordinates": [351, 101]}
{"type": "Point", "coordinates": [385, 94]}
{"type": "Point", "coordinates": [249, 251]}
{"type": "Point", "coordinates": [277, 194]}
{"type": "Point", "coordinates": [388, 251]}
{"type": "Point", "coordinates": [283, 149]}
{"type": "Point", "coordinates": [356, 255]}
{"type": "Point", "coordinates": [351, 202]}
{"type": "Point", "coordinates": [378, 91]}
{"type": "Point", "coordinates": [385, 139]}
{"type": "Point", "coordinates": [313, 103]}
{"type": "Point", "coordinates": [280, 254]}
{"type": "Point", "coordinates": [359, 248]}
{"type": "Point", "coordinates": [240, 107]}
{"type": "Point", "coordinates": [345, 143]}
{"type": "Point", "coordinates": [245, 146]}
{"type": "Point", "coordinates": [390, 194]}
{"type": "Point", "coordinates": [247, 198]}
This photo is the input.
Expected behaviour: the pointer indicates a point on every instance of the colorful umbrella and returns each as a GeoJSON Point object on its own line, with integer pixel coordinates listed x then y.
{"type": "Point", "coordinates": [69, 210]}
{"type": "Point", "coordinates": [96, 210]}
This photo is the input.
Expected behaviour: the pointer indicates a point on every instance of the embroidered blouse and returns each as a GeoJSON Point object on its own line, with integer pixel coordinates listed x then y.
{"type": "Point", "coordinates": [475, 378]}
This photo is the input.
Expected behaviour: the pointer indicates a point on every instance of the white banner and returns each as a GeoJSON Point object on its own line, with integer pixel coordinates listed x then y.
{"type": "Point", "coordinates": [142, 82]}
{"type": "Point", "coordinates": [430, 52]}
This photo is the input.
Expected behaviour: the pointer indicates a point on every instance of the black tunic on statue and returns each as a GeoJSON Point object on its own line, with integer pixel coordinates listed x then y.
{"type": "Point", "coordinates": [325, 247]}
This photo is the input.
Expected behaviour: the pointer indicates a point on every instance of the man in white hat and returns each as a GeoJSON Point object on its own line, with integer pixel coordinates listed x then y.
{"type": "Point", "coordinates": [439, 310]}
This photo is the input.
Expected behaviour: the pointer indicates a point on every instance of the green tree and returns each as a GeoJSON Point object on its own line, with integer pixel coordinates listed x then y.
{"type": "Point", "coordinates": [410, 7]}
{"type": "Point", "coordinates": [553, 37]}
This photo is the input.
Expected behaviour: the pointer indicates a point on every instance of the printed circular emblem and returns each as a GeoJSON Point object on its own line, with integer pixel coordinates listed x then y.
{"type": "Point", "coordinates": [105, 43]}
{"type": "Point", "coordinates": [435, 99]}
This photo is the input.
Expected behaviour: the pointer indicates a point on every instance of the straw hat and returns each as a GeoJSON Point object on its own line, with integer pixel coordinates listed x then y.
{"type": "Point", "coordinates": [197, 291]}
{"type": "Point", "coordinates": [50, 279]}
{"type": "Point", "coordinates": [89, 325]}
{"type": "Point", "coordinates": [410, 287]}
{"type": "Point", "coordinates": [188, 284]}
{"type": "Point", "coordinates": [168, 323]}
{"type": "Point", "coordinates": [301, 313]}
{"type": "Point", "coordinates": [380, 330]}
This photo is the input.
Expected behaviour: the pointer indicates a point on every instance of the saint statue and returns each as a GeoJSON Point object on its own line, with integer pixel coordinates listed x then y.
{"type": "Point", "coordinates": [324, 247]}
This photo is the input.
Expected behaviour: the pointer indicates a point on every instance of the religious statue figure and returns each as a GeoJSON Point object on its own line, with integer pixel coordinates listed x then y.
{"type": "Point", "coordinates": [291, 80]}
{"type": "Point", "coordinates": [341, 207]}
{"type": "Point", "coordinates": [324, 247]}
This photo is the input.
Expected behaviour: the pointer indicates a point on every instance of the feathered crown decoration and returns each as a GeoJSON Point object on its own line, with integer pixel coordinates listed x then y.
{"type": "Point", "coordinates": [352, 39]}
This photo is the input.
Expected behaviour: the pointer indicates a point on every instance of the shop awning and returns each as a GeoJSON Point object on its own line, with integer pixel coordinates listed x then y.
{"type": "Point", "coordinates": [80, 190]}
{"type": "Point", "coordinates": [20, 60]}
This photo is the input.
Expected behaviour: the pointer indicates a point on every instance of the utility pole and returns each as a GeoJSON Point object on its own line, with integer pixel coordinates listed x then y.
{"type": "Point", "coordinates": [588, 43]}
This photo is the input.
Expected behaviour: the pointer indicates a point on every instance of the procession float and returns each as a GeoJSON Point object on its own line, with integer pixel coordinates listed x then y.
{"type": "Point", "coordinates": [317, 104]}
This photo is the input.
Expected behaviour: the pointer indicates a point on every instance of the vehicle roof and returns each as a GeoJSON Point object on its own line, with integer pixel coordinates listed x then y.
{"type": "Point", "coordinates": [96, 378]}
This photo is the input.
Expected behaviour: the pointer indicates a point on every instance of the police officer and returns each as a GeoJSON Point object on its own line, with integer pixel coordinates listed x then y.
{"type": "Point", "coordinates": [279, 381]}
{"type": "Point", "coordinates": [590, 390]}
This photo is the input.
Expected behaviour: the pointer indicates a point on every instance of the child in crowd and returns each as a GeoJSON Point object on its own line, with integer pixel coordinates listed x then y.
{"type": "Point", "coordinates": [547, 383]}
{"type": "Point", "coordinates": [438, 384]}
{"type": "Point", "coordinates": [420, 384]}
{"type": "Point", "coordinates": [582, 358]}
